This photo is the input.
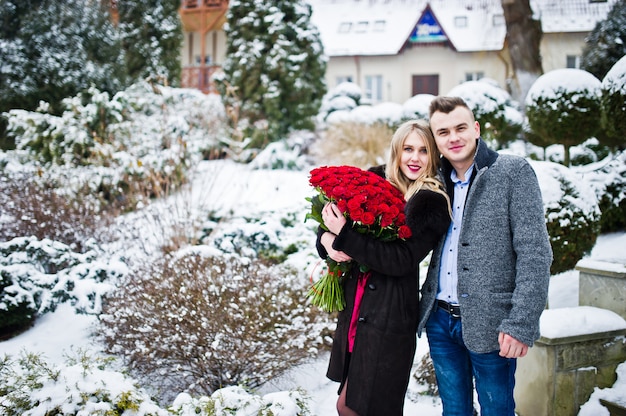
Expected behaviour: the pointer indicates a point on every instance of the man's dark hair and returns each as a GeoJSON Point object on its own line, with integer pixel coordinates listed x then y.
{"type": "Point", "coordinates": [446, 105]}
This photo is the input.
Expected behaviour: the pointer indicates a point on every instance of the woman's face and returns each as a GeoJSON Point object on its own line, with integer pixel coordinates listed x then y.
{"type": "Point", "coordinates": [414, 156]}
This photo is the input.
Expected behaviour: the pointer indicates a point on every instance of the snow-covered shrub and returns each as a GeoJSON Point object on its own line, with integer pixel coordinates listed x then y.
{"type": "Point", "coordinates": [290, 154]}
{"type": "Point", "coordinates": [236, 401]}
{"type": "Point", "coordinates": [137, 145]}
{"type": "Point", "coordinates": [497, 113]}
{"type": "Point", "coordinates": [417, 106]}
{"type": "Point", "coordinates": [563, 107]}
{"type": "Point", "coordinates": [35, 276]}
{"type": "Point", "coordinates": [608, 179]}
{"type": "Point", "coordinates": [614, 105]}
{"type": "Point", "coordinates": [30, 386]}
{"type": "Point", "coordinates": [266, 236]}
{"type": "Point", "coordinates": [354, 143]}
{"type": "Point", "coordinates": [344, 97]}
{"type": "Point", "coordinates": [201, 320]}
{"type": "Point", "coordinates": [34, 205]}
{"type": "Point", "coordinates": [572, 214]}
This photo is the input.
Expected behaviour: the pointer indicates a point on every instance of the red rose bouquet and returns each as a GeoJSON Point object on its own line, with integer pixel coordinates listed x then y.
{"type": "Point", "coordinates": [371, 203]}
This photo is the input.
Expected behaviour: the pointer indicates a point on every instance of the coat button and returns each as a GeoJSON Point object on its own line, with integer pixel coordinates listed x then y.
{"type": "Point", "coordinates": [362, 319]}
{"type": "Point", "coordinates": [372, 286]}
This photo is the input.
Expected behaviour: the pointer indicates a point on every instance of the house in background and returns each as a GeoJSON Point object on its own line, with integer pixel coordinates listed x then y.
{"type": "Point", "coordinates": [395, 49]}
{"type": "Point", "coordinates": [204, 45]}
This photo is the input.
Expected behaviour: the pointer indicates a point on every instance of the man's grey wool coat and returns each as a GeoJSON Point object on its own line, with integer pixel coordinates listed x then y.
{"type": "Point", "coordinates": [504, 253]}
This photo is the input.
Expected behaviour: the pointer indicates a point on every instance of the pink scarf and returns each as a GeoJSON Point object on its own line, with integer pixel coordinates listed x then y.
{"type": "Point", "coordinates": [360, 290]}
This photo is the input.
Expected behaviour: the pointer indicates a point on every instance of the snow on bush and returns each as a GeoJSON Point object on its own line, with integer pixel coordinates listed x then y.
{"type": "Point", "coordinates": [614, 105]}
{"type": "Point", "coordinates": [89, 385]}
{"type": "Point", "coordinates": [563, 107]}
{"type": "Point", "coordinates": [200, 320]}
{"type": "Point", "coordinates": [37, 275]}
{"type": "Point", "coordinates": [29, 386]}
{"type": "Point", "coordinates": [572, 214]}
{"type": "Point", "coordinates": [139, 143]}
{"type": "Point", "coordinates": [417, 106]}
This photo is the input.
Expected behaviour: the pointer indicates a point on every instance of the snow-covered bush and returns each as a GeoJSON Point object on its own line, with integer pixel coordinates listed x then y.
{"type": "Point", "coordinates": [200, 320]}
{"type": "Point", "coordinates": [417, 106]}
{"type": "Point", "coordinates": [236, 401]}
{"type": "Point", "coordinates": [614, 105]}
{"type": "Point", "coordinates": [136, 145]}
{"type": "Point", "coordinates": [34, 205]}
{"type": "Point", "coordinates": [498, 115]}
{"type": "Point", "coordinates": [344, 97]}
{"type": "Point", "coordinates": [608, 179]}
{"type": "Point", "coordinates": [572, 214]}
{"type": "Point", "coordinates": [89, 385]}
{"type": "Point", "coordinates": [30, 386]}
{"type": "Point", "coordinates": [35, 276]}
{"type": "Point", "coordinates": [563, 107]}
{"type": "Point", "coordinates": [290, 154]}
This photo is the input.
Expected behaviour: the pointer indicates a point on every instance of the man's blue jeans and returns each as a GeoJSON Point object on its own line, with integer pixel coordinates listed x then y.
{"type": "Point", "coordinates": [455, 366]}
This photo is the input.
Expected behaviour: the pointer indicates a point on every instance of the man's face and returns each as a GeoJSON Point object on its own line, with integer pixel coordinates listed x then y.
{"type": "Point", "coordinates": [455, 134]}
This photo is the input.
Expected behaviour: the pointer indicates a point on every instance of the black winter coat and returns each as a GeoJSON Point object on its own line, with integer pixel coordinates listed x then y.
{"type": "Point", "coordinates": [384, 348]}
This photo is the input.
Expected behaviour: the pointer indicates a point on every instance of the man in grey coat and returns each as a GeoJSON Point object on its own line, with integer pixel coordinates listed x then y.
{"type": "Point", "coordinates": [487, 283]}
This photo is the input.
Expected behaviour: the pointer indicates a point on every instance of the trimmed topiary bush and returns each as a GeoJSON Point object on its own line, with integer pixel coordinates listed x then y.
{"type": "Point", "coordinates": [572, 214]}
{"type": "Point", "coordinates": [563, 107]}
{"type": "Point", "coordinates": [614, 106]}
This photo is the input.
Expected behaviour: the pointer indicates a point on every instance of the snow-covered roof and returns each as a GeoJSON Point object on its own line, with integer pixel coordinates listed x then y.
{"type": "Point", "coordinates": [383, 27]}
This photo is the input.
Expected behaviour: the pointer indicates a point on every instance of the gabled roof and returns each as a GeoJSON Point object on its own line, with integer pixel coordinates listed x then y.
{"type": "Point", "coordinates": [383, 27]}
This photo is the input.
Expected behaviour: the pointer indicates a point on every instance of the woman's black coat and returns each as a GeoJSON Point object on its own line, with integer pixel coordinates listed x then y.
{"type": "Point", "coordinates": [384, 347]}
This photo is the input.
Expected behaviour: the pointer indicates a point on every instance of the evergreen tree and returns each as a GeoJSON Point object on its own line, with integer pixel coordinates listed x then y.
{"type": "Point", "coordinates": [152, 39]}
{"type": "Point", "coordinates": [56, 50]}
{"type": "Point", "coordinates": [274, 70]}
{"type": "Point", "coordinates": [606, 43]}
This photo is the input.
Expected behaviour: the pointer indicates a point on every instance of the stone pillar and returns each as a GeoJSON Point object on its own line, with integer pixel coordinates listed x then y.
{"type": "Point", "coordinates": [579, 349]}
{"type": "Point", "coordinates": [603, 285]}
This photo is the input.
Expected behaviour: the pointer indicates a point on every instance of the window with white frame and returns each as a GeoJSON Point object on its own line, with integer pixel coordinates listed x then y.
{"type": "Point", "coordinates": [474, 76]}
{"type": "Point", "coordinates": [361, 27]}
{"type": "Point", "coordinates": [343, 78]}
{"type": "Point", "coordinates": [374, 88]}
{"type": "Point", "coordinates": [572, 61]}
{"type": "Point", "coordinates": [344, 27]}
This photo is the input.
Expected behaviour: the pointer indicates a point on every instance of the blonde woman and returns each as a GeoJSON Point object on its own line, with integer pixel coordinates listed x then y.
{"type": "Point", "coordinates": [375, 339]}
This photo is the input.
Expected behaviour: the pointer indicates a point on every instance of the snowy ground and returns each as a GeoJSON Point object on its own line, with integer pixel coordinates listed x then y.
{"type": "Point", "coordinates": [239, 188]}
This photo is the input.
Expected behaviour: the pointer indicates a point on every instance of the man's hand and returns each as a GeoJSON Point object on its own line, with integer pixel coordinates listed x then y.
{"type": "Point", "coordinates": [510, 347]}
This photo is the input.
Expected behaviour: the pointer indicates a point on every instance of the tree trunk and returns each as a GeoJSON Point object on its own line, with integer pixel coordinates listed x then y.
{"type": "Point", "coordinates": [523, 36]}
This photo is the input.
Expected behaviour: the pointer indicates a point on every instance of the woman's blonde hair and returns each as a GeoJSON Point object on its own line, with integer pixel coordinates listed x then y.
{"type": "Point", "coordinates": [429, 179]}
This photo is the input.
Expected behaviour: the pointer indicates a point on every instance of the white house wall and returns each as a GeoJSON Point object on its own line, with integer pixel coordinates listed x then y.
{"type": "Point", "coordinates": [398, 70]}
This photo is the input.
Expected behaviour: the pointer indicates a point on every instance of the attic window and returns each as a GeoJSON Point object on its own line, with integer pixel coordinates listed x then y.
{"type": "Point", "coordinates": [460, 21]}
{"type": "Point", "coordinates": [344, 27]}
{"type": "Point", "coordinates": [498, 20]}
{"type": "Point", "coordinates": [379, 25]}
{"type": "Point", "coordinates": [361, 27]}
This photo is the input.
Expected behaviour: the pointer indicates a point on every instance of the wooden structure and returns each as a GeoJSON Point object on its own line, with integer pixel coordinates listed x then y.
{"type": "Point", "coordinates": [201, 17]}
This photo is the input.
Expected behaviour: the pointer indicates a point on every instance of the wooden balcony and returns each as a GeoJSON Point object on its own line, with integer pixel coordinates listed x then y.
{"type": "Point", "coordinates": [203, 15]}
{"type": "Point", "coordinates": [199, 77]}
